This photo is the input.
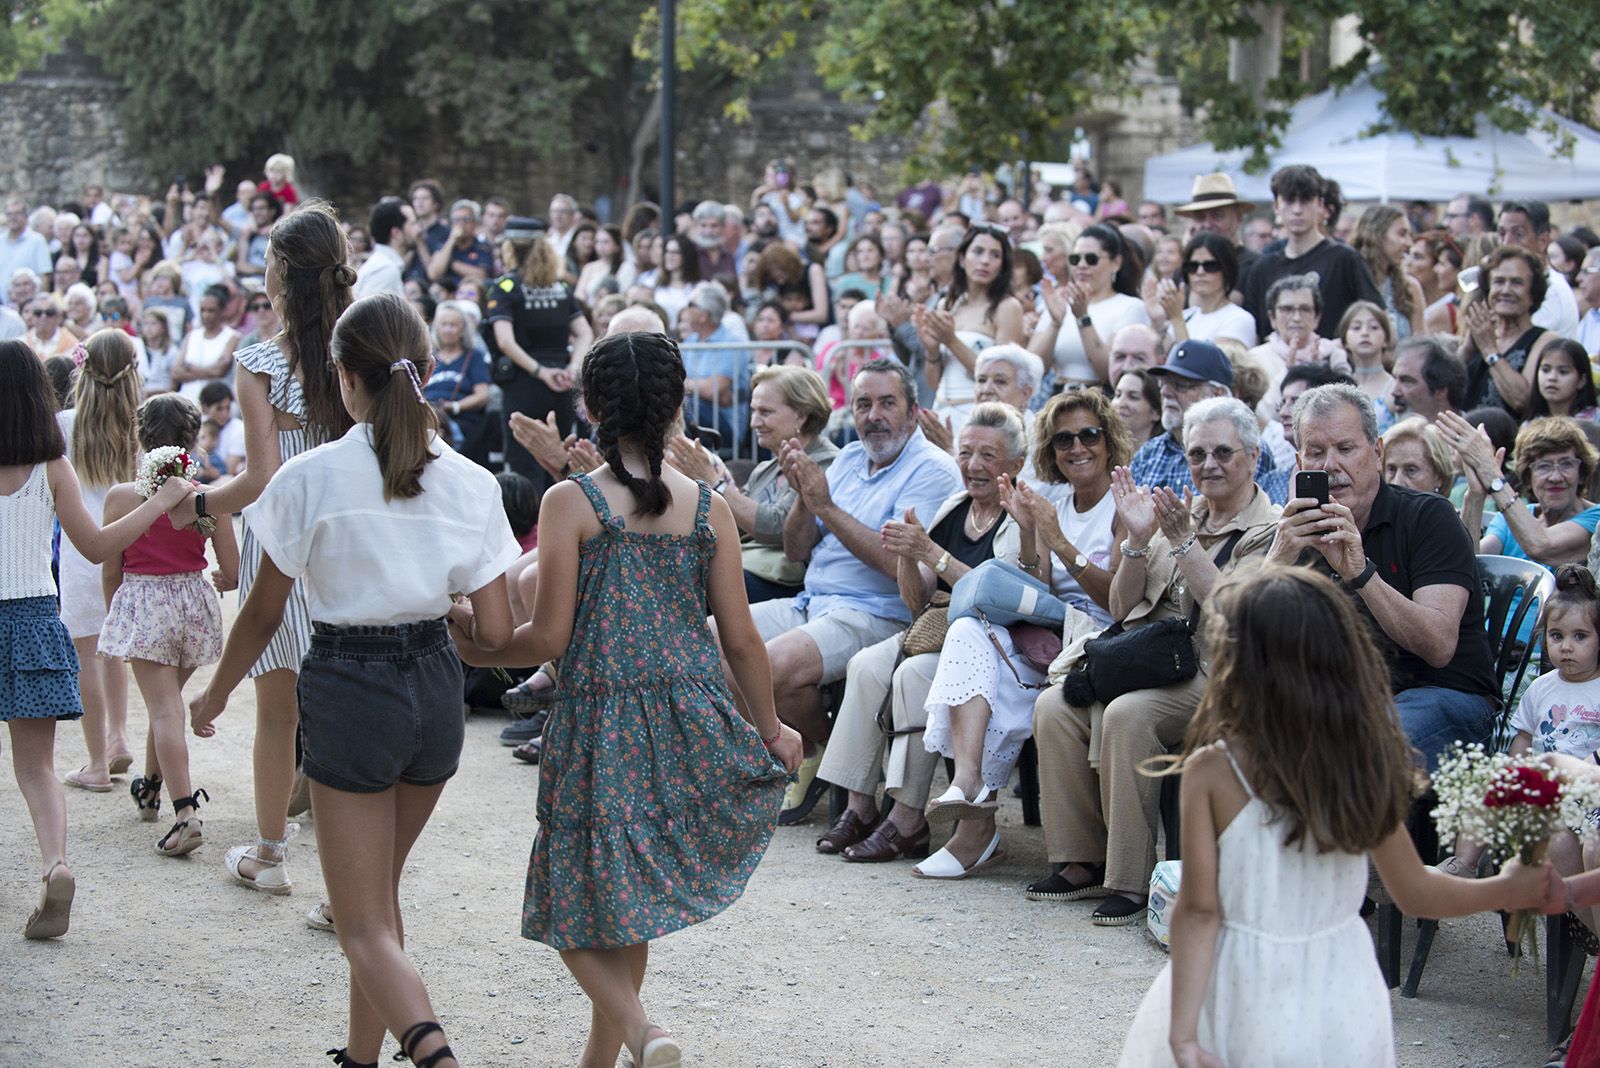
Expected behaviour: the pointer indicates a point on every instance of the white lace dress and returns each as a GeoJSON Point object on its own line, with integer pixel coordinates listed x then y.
{"type": "Point", "coordinates": [1295, 979]}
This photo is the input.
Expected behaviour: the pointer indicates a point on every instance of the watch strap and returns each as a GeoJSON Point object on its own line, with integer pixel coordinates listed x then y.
{"type": "Point", "coordinates": [200, 506]}
{"type": "Point", "coordinates": [1365, 576]}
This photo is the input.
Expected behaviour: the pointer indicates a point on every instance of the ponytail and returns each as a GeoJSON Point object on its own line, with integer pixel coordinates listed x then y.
{"type": "Point", "coordinates": [382, 341]}
{"type": "Point", "coordinates": [317, 281]}
{"type": "Point", "coordinates": [633, 388]}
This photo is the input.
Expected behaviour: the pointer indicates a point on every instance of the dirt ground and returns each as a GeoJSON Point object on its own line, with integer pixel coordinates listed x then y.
{"type": "Point", "coordinates": [822, 963]}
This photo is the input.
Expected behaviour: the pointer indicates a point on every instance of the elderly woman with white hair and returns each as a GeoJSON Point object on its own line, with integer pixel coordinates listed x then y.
{"type": "Point", "coordinates": [459, 386]}
{"type": "Point", "coordinates": [886, 685]}
{"type": "Point", "coordinates": [81, 311]}
{"type": "Point", "coordinates": [1005, 374]}
{"type": "Point", "coordinates": [1099, 811]}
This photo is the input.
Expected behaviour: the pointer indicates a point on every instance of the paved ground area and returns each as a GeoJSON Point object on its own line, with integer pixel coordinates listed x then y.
{"type": "Point", "coordinates": [822, 963]}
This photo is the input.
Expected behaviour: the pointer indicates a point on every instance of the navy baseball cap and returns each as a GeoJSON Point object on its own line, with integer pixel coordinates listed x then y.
{"type": "Point", "coordinates": [1198, 360]}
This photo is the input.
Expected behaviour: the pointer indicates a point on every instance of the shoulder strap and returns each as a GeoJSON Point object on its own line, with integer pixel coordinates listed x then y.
{"type": "Point", "coordinates": [1242, 780]}
{"type": "Point", "coordinates": [596, 498]}
{"type": "Point", "coordinates": [702, 511]}
{"type": "Point", "coordinates": [1221, 560]}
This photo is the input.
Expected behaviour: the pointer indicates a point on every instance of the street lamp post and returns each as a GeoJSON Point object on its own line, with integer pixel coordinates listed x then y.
{"type": "Point", "coordinates": [669, 63]}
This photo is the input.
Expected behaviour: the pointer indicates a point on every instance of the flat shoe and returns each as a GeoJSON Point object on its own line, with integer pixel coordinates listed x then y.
{"type": "Point", "coordinates": [272, 879]}
{"type": "Point", "coordinates": [1118, 911]}
{"type": "Point", "coordinates": [804, 792]}
{"type": "Point", "coordinates": [185, 837]}
{"type": "Point", "coordinates": [661, 1052]}
{"type": "Point", "coordinates": [944, 865]}
{"type": "Point", "coordinates": [887, 843]}
{"type": "Point", "coordinates": [953, 805]}
{"type": "Point", "coordinates": [120, 764]}
{"type": "Point", "coordinates": [845, 832]}
{"type": "Point", "coordinates": [522, 698]}
{"type": "Point", "coordinates": [320, 919]}
{"type": "Point", "coordinates": [1057, 887]}
{"type": "Point", "coordinates": [50, 919]}
{"type": "Point", "coordinates": [75, 778]}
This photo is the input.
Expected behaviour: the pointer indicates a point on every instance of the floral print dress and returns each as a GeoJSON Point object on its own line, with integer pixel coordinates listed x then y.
{"type": "Point", "coordinates": [656, 798]}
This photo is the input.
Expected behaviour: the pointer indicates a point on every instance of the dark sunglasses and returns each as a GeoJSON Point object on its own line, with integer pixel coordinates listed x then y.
{"type": "Point", "coordinates": [1202, 267]}
{"type": "Point", "coordinates": [1198, 456]}
{"type": "Point", "coordinates": [44, 313]}
{"type": "Point", "coordinates": [1089, 435]}
{"type": "Point", "coordinates": [262, 306]}
{"type": "Point", "coordinates": [1092, 259]}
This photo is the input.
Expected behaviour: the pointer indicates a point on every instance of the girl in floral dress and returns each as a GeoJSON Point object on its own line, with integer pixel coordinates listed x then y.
{"type": "Point", "coordinates": [656, 800]}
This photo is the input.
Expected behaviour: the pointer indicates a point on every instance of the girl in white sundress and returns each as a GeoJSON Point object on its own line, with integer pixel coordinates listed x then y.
{"type": "Point", "coordinates": [289, 399]}
{"type": "Point", "coordinates": [1271, 962]}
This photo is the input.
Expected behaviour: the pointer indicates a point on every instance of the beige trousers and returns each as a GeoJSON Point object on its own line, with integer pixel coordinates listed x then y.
{"type": "Point", "coordinates": [1108, 813]}
{"type": "Point", "coordinates": [856, 747]}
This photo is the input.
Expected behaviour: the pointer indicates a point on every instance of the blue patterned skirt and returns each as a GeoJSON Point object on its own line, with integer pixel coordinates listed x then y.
{"type": "Point", "coordinates": [38, 665]}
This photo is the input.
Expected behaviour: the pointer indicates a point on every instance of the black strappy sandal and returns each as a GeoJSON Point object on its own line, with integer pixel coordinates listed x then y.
{"type": "Point", "coordinates": [185, 836]}
{"type": "Point", "coordinates": [147, 797]}
{"type": "Point", "coordinates": [415, 1034]}
{"type": "Point", "coordinates": [342, 1057]}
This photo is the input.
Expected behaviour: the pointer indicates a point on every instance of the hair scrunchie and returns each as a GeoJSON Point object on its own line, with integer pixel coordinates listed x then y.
{"type": "Point", "coordinates": [411, 372]}
{"type": "Point", "coordinates": [343, 274]}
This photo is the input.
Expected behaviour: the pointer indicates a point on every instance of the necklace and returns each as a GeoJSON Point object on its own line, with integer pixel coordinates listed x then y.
{"type": "Point", "coordinates": [980, 526]}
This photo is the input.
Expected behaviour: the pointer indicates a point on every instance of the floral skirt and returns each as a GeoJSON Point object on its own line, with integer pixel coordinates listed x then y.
{"type": "Point", "coordinates": [168, 619]}
{"type": "Point", "coordinates": [38, 666]}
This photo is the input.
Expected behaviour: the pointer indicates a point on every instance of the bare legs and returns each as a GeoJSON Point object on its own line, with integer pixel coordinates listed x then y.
{"type": "Point", "coordinates": [968, 722]}
{"type": "Point", "coordinates": [33, 750]}
{"type": "Point", "coordinates": [103, 687]}
{"type": "Point", "coordinates": [364, 840]}
{"type": "Point", "coordinates": [161, 687]}
{"type": "Point", "coordinates": [277, 715]}
{"type": "Point", "coordinates": [612, 979]}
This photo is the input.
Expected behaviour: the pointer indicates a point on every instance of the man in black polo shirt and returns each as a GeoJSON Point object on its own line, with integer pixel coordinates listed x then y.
{"type": "Point", "coordinates": [1299, 197]}
{"type": "Point", "coordinates": [1408, 562]}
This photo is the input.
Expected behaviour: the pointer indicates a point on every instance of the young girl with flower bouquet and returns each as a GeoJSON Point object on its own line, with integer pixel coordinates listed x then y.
{"type": "Point", "coordinates": [1280, 814]}
{"type": "Point", "coordinates": [163, 615]}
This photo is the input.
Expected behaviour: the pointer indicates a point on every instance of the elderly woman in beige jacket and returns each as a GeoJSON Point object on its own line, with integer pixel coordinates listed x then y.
{"type": "Point", "coordinates": [934, 552]}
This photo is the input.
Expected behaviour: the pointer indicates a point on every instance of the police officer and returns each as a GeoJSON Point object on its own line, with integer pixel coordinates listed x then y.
{"type": "Point", "coordinates": [537, 333]}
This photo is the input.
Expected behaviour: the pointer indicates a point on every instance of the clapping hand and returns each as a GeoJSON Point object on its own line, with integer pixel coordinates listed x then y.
{"type": "Point", "coordinates": [895, 309]}
{"type": "Point", "coordinates": [1032, 511]}
{"type": "Point", "coordinates": [1171, 298]}
{"type": "Point", "coordinates": [1055, 299]}
{"type": "Point", "coordinates": [1078, 299]}
{"type": "Point", "coordinates": [582, 455]}
{"type": "Point", "coordinates": [939, 432]}
{"type": "Point", "coordinates": [542, 439]}
{"type": "Point", "coordinates": [805, 476]}
{"type": "Point", "coordinates": [692, 459]}
{"type": "Point", "coordinates": [1480, 327]}
{"type": "Point", "coordinates": [1173, 513]}
{"type": "Point", "coordinates": [1135, 507]}
{"type": "Point", "coordinates": [1472, 446]}
{"type": "Point", "coordinates": [907, 539]}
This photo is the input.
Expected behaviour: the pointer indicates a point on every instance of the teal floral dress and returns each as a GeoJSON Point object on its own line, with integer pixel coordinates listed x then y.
{"type": "Point", "coordinates": [656, 798]}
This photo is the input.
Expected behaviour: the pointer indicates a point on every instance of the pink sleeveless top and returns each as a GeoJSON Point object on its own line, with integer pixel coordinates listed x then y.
{"type": "Point", "coordinates": [165, 550]}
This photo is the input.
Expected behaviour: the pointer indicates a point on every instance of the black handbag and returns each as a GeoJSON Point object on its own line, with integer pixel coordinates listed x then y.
{"type": "Point", "coordinates": [1146, 657]}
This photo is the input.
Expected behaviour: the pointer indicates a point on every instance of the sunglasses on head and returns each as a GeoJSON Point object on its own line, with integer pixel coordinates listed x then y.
{"type": "Point", "coordinates": [1090, 437]}
{"type": "Point", "coordinates": [1202, 267]}
{"type": "Point", "coordinates": [1091, 259]}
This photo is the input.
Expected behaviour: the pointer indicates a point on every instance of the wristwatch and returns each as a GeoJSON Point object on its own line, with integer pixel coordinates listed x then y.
{"type": "Point", "coordinates": [943, 562]}
{"type": "Point", "coordinates": [200, 506]}
{"type": "Point", "coordinates": [1491, 359]}
{"type": "Point", "coordinates": [1496, 486]}
{"type": "Point", "coordinates": [1365, 576]}
{"type": "Point", "coordinates": [1079, 563]}
{"type": "Point", "coordinates": [1085, 322]}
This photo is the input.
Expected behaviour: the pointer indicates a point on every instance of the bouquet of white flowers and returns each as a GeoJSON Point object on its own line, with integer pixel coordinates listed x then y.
{"type": "Point", "coordinates": [1511, 805]}
{"type": "Point", "coordinates": [163, 463]}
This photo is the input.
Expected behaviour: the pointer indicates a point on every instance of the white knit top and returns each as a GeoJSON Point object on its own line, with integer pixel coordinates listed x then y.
{"type": "Point", "coordinates": [26, 523]}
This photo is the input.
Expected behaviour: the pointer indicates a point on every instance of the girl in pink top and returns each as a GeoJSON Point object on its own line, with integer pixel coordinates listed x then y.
{"type": "Point", "coordinates": [165, 619]}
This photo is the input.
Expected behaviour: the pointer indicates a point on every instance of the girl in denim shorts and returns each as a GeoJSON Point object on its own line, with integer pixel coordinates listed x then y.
{"type": "Point", "coordinates": [384, 525]}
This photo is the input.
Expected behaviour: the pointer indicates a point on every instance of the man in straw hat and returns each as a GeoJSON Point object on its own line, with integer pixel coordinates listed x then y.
{"type": "Point", "coordinates": [1215, 208]}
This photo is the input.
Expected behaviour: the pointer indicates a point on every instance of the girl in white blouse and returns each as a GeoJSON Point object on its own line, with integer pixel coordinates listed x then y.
{"type": "Point", "coordinates": [384, 525]}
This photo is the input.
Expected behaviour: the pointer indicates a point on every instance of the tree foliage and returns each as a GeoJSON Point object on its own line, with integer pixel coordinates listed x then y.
{"type": "Point", "coordinates": [988, 80]}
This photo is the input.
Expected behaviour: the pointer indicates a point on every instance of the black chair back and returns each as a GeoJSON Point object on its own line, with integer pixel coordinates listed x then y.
{"type": "Point", "coordinates": [1514, 591]}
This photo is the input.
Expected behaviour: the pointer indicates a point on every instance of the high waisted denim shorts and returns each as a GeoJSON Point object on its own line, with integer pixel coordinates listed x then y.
{"type": "Point", "coordinates": [381, 705]}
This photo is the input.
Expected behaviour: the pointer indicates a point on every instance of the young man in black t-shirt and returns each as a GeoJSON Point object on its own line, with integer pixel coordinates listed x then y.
{"type": "Point", "coordinates": [1297, 197]}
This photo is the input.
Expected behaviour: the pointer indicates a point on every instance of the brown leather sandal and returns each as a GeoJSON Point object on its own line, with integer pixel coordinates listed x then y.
{"type": "Point", "coordinates": [887, 843]}
{"type": "Point", "coordinates": [846, 832]}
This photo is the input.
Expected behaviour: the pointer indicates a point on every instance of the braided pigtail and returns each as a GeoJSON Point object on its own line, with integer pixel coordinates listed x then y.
{"type": "Point", "coordinates": [633, 388]}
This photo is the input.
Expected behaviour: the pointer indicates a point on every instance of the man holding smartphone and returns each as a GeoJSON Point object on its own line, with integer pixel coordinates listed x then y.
{"type": "Point", "coordinates": [1406, 560]}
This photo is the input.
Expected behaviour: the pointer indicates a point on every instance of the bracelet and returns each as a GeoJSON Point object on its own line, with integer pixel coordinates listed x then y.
{"type": "Point", "coordinates": [1188, 543]}
{"type": "Point", "coordinates": [1028, 565]}
{"type": "Point", "coordinates": [770, 742]}
{"type": "Point", "coordinates": [1130, 553]}
{"type": "Point", "coordinates": [1364, 577]}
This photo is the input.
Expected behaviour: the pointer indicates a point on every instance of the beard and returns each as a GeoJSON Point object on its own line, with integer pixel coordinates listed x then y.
{"type": "Point", "coordinates": [704, 243]}
{"type": "Point", "coordinates": [890, 448]}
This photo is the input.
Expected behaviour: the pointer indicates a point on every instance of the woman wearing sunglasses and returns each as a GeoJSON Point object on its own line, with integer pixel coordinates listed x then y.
{"type": "Point", "coordinates": [1211, 271]}
{"type": "Point", "coordinates": [1080, 315]}
{"type": "Point", "coordinates": [980, 707]}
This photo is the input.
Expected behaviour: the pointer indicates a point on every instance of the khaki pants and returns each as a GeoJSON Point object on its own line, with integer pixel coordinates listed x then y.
{"type": "Point", "coordinates": [855, 748]}
{"type": "Point", "coordinates": [1108, 813]}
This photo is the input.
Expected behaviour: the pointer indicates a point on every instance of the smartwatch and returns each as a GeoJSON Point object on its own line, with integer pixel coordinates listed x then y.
{"type": "Point", "coordinates": [1085, 322]}
{"type": "Point", "coordinates": [200, 506]}
{"type": "Point", "coordinates": [1365, 576]}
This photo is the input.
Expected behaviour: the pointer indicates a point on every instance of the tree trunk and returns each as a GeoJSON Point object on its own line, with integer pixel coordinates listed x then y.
{"type": "Point", "coordinates": [1254, 61]}
{"type": "Point", "coordinates": [645, 134]}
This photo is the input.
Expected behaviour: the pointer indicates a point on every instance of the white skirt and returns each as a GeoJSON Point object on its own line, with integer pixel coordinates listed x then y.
{"type": "Point", "coordinates": [970, 667]}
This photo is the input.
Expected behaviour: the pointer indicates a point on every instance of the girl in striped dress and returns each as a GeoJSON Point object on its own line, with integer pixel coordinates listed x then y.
{"type": "Point", "coordinates": [289, 399]}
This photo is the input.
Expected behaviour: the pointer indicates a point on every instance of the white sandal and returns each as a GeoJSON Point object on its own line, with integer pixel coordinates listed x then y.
{"type": "Point", "coordinates": [660, 1052]}
{"type": "Point", "coordinates": [944, 865]}
{"type": "Point", "coordinates": [273, 878]}
{"type": "Point", "coordinates": [953, 805]}
{"type": "Point", "coordinates": [320, 918]}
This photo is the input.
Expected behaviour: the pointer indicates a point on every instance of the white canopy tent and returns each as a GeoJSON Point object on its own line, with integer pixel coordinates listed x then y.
{"type": "Point", "coordinates": [1327, 131]}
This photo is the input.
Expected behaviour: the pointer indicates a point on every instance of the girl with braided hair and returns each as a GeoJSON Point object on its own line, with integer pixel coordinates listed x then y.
{"type": "Point", "coordinates": [656, 801]}
{"type": "Point", "coordinates": [382, 526]}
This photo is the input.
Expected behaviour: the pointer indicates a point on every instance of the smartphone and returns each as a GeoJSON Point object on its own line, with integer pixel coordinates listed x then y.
{"type": "Point", "coordinates": [180, 182]}
{"type": "Point", "coordinates": [1313, 484]}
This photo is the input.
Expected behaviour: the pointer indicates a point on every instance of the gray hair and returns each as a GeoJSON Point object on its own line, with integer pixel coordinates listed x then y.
{"type": "Point", "coordinates": [1293, 283]}
{"type": "Point", "coordinates": [1028, 367]}
{"type": "Point", "coordinates": [710, 298]}
{"type": "Point", "coordinates": [471, 318]}
{"type": "Point", "coordinates": [1322, 401]}
{"type": "Point", "coordinates": [707, 210]}
{"type": "Point", "coordinates": [78, 289]}
{"type": "Point", "coordinates": [24, 272]}
{"type": "Point", "coordinates": [888, 365]}
{"type": "Point", "coordinates": [1006, 420]}
{"type": "Point", "coordinates": [1224, 410]}
{"type": "Point", "coordinates": [471, 205]}
{"type": "Point", "coordinates": [732, 213]}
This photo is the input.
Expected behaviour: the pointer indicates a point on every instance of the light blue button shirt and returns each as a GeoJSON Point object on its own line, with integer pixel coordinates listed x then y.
{"type": "Point", "coordinates": [921, 477]}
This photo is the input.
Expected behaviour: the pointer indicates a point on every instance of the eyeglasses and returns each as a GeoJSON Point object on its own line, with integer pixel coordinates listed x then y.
{"type": "Point", "coordinates": [1545, 468]}
{"type": "Point", "coordinates": [1295, 309]}
{"type": "Point", "coordinates": [1090, 437]}
{"type": "Point", "coordinates": [1088, 259]}
{"type": "Point", "coordinates": [1222, 453]}
{"type": "Point", "coordinates": [44, 313]}
{"type": "Point", "coordinates": [1201, 267]}
{"type": "Point", "coordinates": [262, 306]}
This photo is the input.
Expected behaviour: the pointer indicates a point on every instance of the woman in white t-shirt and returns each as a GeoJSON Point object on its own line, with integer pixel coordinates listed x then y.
{"type": "Point", "coordinates": [976, 311]}
{"type": "Point", "coordinates": [1211, 269]}
{"type": "Point", "coordinates": [384, 524]}
{"type": "Point", "coordinates": [1099, 298]}
{"type": "Point", "coordinates": [207, 353]}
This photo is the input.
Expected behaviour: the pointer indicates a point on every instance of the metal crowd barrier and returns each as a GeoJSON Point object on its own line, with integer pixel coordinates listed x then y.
{"type": "Point", "coordinates": [743, 445]}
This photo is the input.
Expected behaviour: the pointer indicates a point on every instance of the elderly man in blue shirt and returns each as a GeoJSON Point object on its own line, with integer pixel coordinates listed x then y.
{"type": "Point", "coordinates": [850, 599]}
{"type": "Point", "coordinates": [717, 379]}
